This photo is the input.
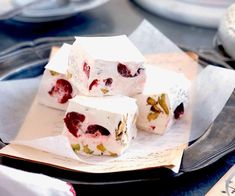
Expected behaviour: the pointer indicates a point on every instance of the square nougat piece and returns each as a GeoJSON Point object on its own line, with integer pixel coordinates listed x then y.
{"type": "Point", "coordinates": [163, 100]}
{"type": "Point", "coordinates": [101, 125]}
{"type": "Point", "coordinates": [55, 89]}
{"type": "Point", "coordinates": [100, 66]}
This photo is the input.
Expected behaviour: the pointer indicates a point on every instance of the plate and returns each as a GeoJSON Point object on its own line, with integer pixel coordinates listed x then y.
{"type": "Point", "coordinates": [218, 137]}
{"type": "Point", "coordinates": [197, 13]}
{"type": "Point", "coordinates": [72, 8]}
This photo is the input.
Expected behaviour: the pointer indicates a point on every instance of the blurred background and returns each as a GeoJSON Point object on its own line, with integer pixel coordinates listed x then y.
{"type": "Point", "coordinates": [191, 23]}
{"type": "Point", "coordinates": [37, 25]}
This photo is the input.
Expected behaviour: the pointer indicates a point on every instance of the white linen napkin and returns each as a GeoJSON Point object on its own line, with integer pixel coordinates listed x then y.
{"type": "Point", "coordinates": [17, 182]}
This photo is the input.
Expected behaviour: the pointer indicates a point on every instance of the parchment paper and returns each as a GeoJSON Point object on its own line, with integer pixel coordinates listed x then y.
{"type": "Point", "coordinates": [43, 126]}
{"type": "Point", "coordinates": [15, 100]}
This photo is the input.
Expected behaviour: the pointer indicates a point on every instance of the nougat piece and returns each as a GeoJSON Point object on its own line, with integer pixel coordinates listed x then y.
{"type": "Point", "coordinates": [154, 112]}
{"type": "Point", "coordinates": [100, 125]}
{"type": "Point", "coordinates": [55, 89]}
{"type": "Point", "coordinates": [101, 66]}
{"type": "Point", "coordinates": [165, 95]}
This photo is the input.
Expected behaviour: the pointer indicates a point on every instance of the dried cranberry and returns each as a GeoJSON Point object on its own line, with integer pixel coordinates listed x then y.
{"type": "Point", "coordinates": [73, 122]}
{"type": "Point", "coordinates": [179, 111]}
{"type": "Point", "coordinates": [108, 81]}
{"type": "Point", "coordinates": [62, 90]}
{"type": "Point", "coordinates": [86, 69]}
{"type": "Point", "coordinates": [93, 83]}
{"type": "Point", "coordinates": [97, 130]}
{"type": "Point", "coordinates": [138, 72]}
{"type": "Point", "coordinates": [125, 72]}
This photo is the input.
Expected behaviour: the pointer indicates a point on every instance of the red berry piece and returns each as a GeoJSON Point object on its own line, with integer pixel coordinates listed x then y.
{"type": "Point", "coordinates": [179, 111]}
{"type": "Point", "coordinates": [93, 83]}
{"type": "Point", "coordinates": [86, 69]}
{"type": "Point", "coordinates": [125, 72]}
{"type": "Point", "coordinates": [138, 72]}
{"type": "Point", "coordinates": [73, 122]}
{"type": "Point", "coordinates": [108, 81]}
{"type": "Point", "coordinates": [62, 90]}
{"type": "Point", "coordinates": [97, 130]}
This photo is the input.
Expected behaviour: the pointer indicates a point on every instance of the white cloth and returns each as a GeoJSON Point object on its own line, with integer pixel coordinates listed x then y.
{"type": "Point", "coordinates": [17, 182]}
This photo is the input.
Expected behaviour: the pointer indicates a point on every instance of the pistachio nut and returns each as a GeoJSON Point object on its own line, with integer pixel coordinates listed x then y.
{"type": "Point", "coordinates": [87, 150]}
{"type": "Point", "coordinates": [75, 147]}
{"type": "Point", "coordinates": [101, 147]}
{"type": "Point", "coordinates": [152, 116]}
{"type": "Point", "coordinates": [54, 73]}
{"type": "Point", "coordinates": [151, 101]}
{"type": "Point", "coordinates": [163, 104]}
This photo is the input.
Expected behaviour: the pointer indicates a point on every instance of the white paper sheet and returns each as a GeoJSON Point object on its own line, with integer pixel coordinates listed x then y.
{"type": "Point", "coordinates": [43, 126]}
{"type": "Point", "coordinates": [15, 100]}
{"type": "Point", "coordinates": [43, 129]}
{"type": "Point", "coordinates": [150, 40]}
{"type": "Point", "coordinates": [213, 87]}
{"type": "Point", "coordinates": [147, 150]}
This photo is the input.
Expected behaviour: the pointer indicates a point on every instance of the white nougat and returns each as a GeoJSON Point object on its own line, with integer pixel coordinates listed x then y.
{"type": "Point", "coordinates": [55, 90]}
{"type": "Point", "coordinates": [164, 97]}
{"type": "Point", "coordinates": [154, 112]}
{"type": "Point", "coordinates": [101, 66]}
{"type": "Point", "coordinates": [101, 125]}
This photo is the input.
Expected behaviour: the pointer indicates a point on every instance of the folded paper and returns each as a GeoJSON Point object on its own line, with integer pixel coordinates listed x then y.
{"type": "Point", "coordinates": [147, 150]}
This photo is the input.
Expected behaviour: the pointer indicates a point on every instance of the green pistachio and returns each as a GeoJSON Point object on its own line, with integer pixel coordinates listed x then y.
{"type": "Point", "coordinates": [162, 102]}
{"type": "Point", "coordinates": [87, 150]}
{"type": "Point", "coordinates": [104, 90]}
{"type": "Point", "coordinates": [54, 73]}
{"type": "Point", "coordinates": [69, 75]}
{"type": "Point", "coordinates": [155, 108]}
{"type": "Point", "coordinates": [101, 147]}
{"type": "Point", "coordinates": [121, 128]}
{"type": "Point", "coordinates": [151, 101]}
{"type": "Point", "coordinates": [113, 154]}
{"type": "Point", "coordinates": [75, 147]}
{"type": "Point", "coordinates": [152, 116]}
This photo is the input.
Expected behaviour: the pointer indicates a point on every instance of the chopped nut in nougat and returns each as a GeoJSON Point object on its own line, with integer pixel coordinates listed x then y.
{"type": "Point", "coordinates": [103, 66]}
{"type": "Point", "coordinates": [100, 125]}
{"type": "Point", "coordinates": [165, 95]}
{"type": "Point", "coordinates": [55, 89]}
{"type": "Point", "coordinates": [155, 117]}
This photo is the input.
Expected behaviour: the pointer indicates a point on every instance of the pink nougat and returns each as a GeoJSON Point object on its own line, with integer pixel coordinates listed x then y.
{"type": "Point", "coordinates": [101, 66]}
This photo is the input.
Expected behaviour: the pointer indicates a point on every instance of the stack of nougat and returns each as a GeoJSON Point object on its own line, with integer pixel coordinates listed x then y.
{"type": "Point", "coordinates": [107, 89]}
